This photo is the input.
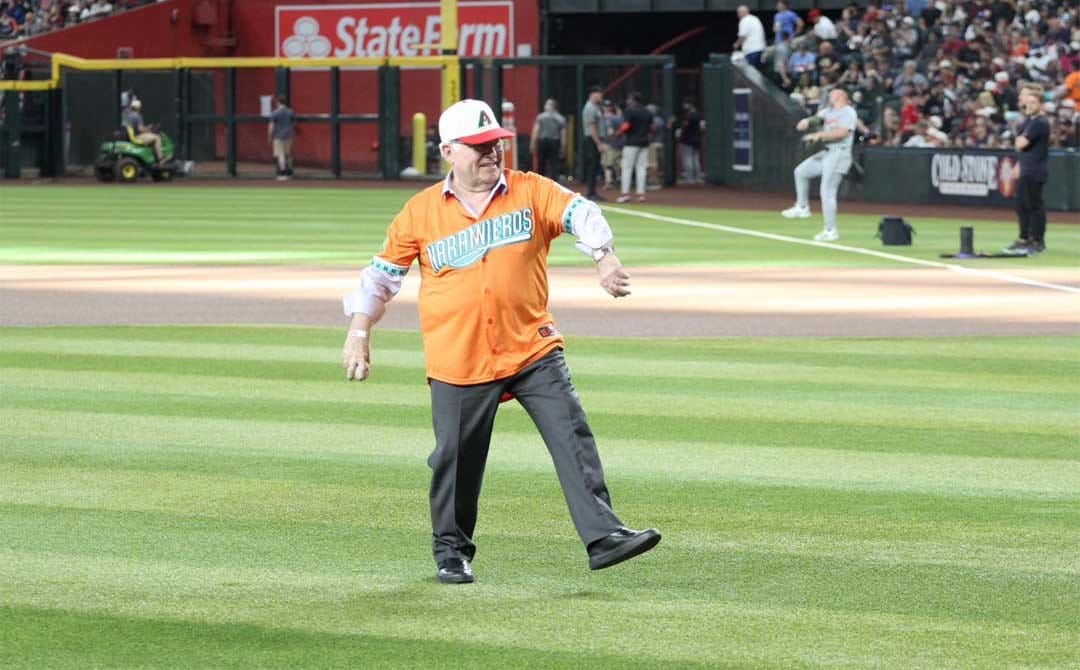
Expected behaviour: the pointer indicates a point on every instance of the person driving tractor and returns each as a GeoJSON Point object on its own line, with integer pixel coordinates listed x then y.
{"type": "Point", "coordinates": [140, 132]}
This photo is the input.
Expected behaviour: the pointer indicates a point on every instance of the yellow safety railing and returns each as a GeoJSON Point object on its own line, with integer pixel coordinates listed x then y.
{"type": "Point", "coordinates": [59, 60]}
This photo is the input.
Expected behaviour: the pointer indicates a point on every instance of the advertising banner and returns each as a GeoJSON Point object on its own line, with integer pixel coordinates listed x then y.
{"type": "Point", "coordinates": [973, 177]}
{"type": "Point", "coordinates": [380, 30]}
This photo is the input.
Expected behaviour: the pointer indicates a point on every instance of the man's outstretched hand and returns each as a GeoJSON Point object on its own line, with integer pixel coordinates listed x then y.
{"type": "Point", "coordinates": [613, 277]}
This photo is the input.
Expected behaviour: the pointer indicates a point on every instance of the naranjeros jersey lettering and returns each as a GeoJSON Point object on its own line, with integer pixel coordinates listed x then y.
{"type": "Point", "coordinates": [484, 291]}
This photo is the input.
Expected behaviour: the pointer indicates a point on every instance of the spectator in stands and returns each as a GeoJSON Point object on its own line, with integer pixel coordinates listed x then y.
{"type": "Point", "coordinates": [921, 137]}
{"type": "Point", "coordinates": [751, 40]}
{"type": "Point", "coordinates": [886, 131]}
{"type": "Point", "coordinates": [827, 62]}
{"type": "Point", "coordinates": [909, 77]}
{"type": "Point", "coordinates": [8, 27]}
{"type": "Point", "coordinates": [979, 136]}
{"type": "Point", "coordinates": [1070, 89]}
{"type": "Point", "coordinates": [18, 11]}
{"type": "Point", "coordinates": [56, 17]}
{"type": "Point", "coordinates": [802, 60]}
{"type": "Point", "coordinates": [786, 25]}
{"type": "Point", "coordinates": [824, 28]}
{"type": "Point", "coordinates": [35, 25]}
{"type": "Point", "coordinates": [1066, 126]}
{"type": "Point", "coordinates": [910, 109]}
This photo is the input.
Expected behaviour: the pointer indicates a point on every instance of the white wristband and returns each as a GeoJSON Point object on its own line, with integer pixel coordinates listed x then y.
{"type": "Point", "coordinates": [362, 334]}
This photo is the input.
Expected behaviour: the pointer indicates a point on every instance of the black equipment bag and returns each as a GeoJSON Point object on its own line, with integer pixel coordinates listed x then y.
{"type": "Point", "coordinates": [894, 231]}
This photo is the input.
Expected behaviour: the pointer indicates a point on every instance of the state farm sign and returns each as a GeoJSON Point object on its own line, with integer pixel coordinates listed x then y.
{"type": "Point", "coordinates": [485, 29]}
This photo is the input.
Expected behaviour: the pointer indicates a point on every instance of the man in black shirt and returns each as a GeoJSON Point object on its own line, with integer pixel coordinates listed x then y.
{"type": "Point", "coordinates": [1032, 141]}
{"type": "Point", "coordinates": [637, 124]}
{"type": "Point", "coordinates": [690, 143]}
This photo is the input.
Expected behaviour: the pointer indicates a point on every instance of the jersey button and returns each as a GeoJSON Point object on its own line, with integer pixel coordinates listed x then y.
{"type": "Point", "coordinates": [491, 322]}
{"type": "Point", "coordinates": [483, 260]}
{"type": "Point", "coordinates": [487, 291]}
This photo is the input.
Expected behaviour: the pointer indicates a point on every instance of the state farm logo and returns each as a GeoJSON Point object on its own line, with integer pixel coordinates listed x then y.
{"type": "Point", "coordinates": [485, 29]}
{"type": "Point", "coordinates": [306, 40]}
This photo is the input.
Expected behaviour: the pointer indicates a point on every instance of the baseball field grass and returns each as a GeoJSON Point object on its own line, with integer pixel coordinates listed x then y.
{"type": "Point", "coordinates": [219, 497]}
{"type": "Point", "coordinates": [308, 226]}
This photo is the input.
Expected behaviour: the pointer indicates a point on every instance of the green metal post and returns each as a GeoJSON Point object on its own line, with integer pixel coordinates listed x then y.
{"type": "Point", "coordinates": [181, 117]}
{"type": "Point", "coordinates": [54, 134]}
{"type": "Point", "coordinates": [497, 90]}
{"type": "Point", "coordinates": [389, 126]}
{"type": "Point", "coordinates": [185, 130]}
{"type": "Point", "coordinates": [11, 135]}
{"type": "Point", "coordinates": [579, 103]}
{"type": "Point", "coordinates": [335, 122]}
{"type": "Point", "coordinates": [281, 85]}
{"type": "Point", "coordinates": [230, 121]}
{"type": "Point", "coordinates": [670, 104]}
{"type": "Point", "coordinates": [478, 81]}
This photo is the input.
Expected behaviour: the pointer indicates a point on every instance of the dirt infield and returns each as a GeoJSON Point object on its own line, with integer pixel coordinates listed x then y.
{"type": "Point", "coordinates": [673, 302]}
{"type": "Point", "coordinates": [681, 302]}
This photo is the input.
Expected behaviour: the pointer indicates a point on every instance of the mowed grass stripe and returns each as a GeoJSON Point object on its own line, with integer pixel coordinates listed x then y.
{"type": "Point", "coordinates": [830, 358]}
{"type": "Point", "coordinates": [677, 350]}
{"type": "Point", "coordinates": [832, 464]}
{"type": "Point", "coordinates": [922, 528]}
{"type": "Point", "coordinates": [365, 213]}
{"type": "Point", "coordinates": [806, 399]}
{"type": "Point", "coordinates": [156, 490]}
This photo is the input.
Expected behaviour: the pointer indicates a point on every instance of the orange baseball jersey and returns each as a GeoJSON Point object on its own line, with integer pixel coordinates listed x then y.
{"type": "Point", "coordinates": [484, 288]}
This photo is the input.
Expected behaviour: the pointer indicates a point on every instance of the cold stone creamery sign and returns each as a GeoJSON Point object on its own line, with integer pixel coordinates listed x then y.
{"type": "Point", "coordinates": [486, 29]}
{"type": "Point", "coordinates": [969, 177]}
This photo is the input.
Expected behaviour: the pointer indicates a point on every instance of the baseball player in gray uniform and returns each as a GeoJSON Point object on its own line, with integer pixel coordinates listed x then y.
{"type": "Point", "coordinates": [838, 122]}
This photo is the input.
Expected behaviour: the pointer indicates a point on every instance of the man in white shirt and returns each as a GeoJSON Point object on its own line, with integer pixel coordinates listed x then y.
{"type": "Point", "coordinates": [824, 28]}
{"type": "Point", "coordinates": [751, 40]}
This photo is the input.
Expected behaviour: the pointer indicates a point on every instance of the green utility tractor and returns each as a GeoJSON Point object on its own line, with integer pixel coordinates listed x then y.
{"type": "Point", "coordinates": [125, 160]}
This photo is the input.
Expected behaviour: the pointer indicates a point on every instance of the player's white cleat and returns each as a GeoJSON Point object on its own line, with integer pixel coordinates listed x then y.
{"type": "Point", "coordinates": [827, 236]}
{"type": "Point", "coordinates": [796, 212]}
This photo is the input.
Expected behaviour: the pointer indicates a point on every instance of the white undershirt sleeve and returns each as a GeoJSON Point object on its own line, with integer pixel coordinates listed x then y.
{"type": "Point", "coordinates": [379, 283]}
{"type": "Point", "coordinates": [584, 220]}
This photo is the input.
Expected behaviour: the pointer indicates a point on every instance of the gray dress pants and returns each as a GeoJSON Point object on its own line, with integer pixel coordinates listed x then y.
{"type": "Point", "coordinates": [463, 417]}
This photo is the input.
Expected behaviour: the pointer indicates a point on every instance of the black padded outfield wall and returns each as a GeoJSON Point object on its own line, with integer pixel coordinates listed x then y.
{"type": "Point", "coordinates": [963, 177]}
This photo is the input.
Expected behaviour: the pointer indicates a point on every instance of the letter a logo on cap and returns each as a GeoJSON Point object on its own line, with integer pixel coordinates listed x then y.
{"type": "Point", "coordinates": [485, 120]}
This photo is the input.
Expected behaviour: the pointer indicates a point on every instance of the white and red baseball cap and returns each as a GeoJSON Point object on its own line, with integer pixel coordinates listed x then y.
{"type": "Point", "coordinates": [471, 122]}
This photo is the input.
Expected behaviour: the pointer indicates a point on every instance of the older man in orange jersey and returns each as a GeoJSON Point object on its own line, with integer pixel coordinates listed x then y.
{"type": "Point", "coordinates": [481, 237]}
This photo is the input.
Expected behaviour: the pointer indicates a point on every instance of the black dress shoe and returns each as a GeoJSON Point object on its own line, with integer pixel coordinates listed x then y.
{"type": "Point", "coordinates": [621, 545]}
{"type": "Point", "coordinates": [454, 571]}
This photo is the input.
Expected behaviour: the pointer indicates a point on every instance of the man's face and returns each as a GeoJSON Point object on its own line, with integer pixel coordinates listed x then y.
{"type": "Point", "coordinates": [838, 98]}
{"type": "Point", "coordinates": [1029, 103]}
{"type": "Point", "coordinates": [476, 166]}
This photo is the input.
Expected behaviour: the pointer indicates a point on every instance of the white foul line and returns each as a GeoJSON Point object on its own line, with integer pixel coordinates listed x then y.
{"type": "Point", "coordinates": [1001, 276]}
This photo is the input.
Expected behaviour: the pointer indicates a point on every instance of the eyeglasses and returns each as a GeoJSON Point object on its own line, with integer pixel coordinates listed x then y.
{"type": "Point", "coordinates": [486, 147]}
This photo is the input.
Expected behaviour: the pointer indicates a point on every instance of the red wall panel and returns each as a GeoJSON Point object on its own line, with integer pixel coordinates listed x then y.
{"type": "Point", "coordinates": [151, 32]}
